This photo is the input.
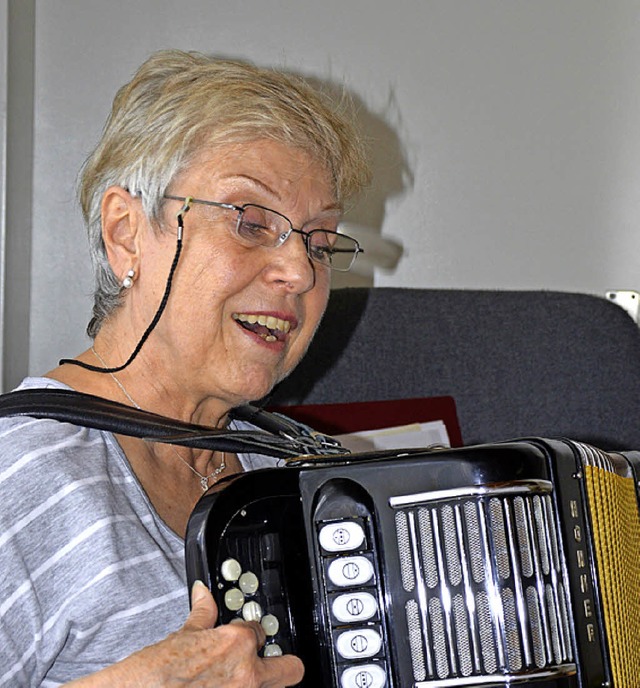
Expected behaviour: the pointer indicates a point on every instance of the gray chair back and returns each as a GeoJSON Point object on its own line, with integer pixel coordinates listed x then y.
{"type": "Point", "coordinates": [518, 364]}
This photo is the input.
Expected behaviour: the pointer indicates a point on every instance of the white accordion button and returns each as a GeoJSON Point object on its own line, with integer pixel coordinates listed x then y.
{"type": "Point", "coordinates": [360, 643]}
{"type": "Point", "coordinates": [230, 570]}
{"type": "Point", "coordinates": [355, 606]}
{"type": "Point", "coordinates": [364, 676]}
{"type": "Point", "coordinates": [248, 583]}
{"type": "Point", "coordinates": [270, 624]}
{"type": "Point", "coordinates": [341, 537]}
{"type": "Point", "coordinates": [348, 571]}
{"type": "Point", "coordinates": [233, 599]}
{"type": "Point", "coordinates": [252, 611]}
{"type": "Point", "coordinates": [272, 650]}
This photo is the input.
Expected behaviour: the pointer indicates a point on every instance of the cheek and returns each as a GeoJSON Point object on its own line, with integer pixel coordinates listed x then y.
{"type": "Point", "coordinates": [212, 269]}
{"type": "Point", "coordinates": [202, 286]}
{"type": "Point", "coordinates": [315, 307]}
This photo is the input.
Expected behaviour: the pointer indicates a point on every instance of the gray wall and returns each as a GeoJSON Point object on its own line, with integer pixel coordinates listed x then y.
{"type": "Point", "coordinates": [505, 134]}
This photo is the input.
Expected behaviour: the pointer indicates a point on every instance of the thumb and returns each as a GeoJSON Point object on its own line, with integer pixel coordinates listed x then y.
{"type": "Point", "coordinates": [204, 612]}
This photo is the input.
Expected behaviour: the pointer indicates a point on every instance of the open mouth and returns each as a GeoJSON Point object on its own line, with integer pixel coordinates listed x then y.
{"type": "Point", "coordinates": [270, 328]}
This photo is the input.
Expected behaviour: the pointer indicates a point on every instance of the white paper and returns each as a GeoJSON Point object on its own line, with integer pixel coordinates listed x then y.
{"type": "Point", "coordinates": [433, 433]}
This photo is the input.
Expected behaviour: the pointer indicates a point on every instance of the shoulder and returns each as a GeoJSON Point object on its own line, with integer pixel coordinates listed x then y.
{"type": "Point", "coordinates": [24, 433]}
{"type": "Point", "coordinates": [20, 434]}
{"type": "Point", "coordinates": [40, 457]}
{"type": "Point", "coordinates": [25, 440]}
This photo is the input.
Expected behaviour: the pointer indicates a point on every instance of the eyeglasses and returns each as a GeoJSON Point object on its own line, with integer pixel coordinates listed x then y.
{"type": "Point", "coordinates": [259, 226]}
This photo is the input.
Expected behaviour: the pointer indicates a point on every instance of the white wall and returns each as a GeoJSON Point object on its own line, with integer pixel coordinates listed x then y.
{"type": "Point", "coordinates": [506, 133]}
{"type": "Point", "coordinates": [4, 20]}
{"type": "Point", "coordinates": [18, 17]}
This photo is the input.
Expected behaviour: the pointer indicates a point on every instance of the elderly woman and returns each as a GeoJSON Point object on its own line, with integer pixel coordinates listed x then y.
{"type": "Point", "coordinates": [212, 204]}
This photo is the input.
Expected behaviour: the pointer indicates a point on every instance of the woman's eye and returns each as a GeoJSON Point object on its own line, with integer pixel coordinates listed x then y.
{"type": "Point", "coordinates": [248, 227]}
{"type": "Point", "coordinates": [255, 231]}
{"type": "Point", "coordinates": [321, 246]}
{"type": "Point", "coordinates": [322, 253]}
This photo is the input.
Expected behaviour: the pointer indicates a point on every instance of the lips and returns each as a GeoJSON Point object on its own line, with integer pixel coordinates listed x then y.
{"type": "Point", "coordinates": [269, 327]}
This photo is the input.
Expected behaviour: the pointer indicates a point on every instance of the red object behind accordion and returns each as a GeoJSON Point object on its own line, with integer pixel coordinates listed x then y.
{"type": "Point", "coordinates": [338, 419]}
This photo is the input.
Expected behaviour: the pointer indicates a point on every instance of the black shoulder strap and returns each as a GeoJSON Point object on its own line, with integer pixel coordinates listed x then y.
{"type": "Point", "coordinates": [279, 436]}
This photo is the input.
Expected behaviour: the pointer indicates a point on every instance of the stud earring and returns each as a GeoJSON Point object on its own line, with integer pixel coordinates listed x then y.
{"type": "Point", "coordinates": [127, 282]}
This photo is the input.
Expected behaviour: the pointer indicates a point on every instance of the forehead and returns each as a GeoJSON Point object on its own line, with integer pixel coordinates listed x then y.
{"type": "Point", "coordinates": [266, 165]}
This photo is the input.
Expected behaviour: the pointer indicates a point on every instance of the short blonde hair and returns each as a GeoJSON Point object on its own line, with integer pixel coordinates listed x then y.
{"type": "Point", "coordinates": [179, 102]}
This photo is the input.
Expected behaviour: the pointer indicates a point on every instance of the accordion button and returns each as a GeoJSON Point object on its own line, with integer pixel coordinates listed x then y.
{"type": "Point", "coordinates": [270, 624]}
{"type": "Point", "coordinates": [360, 643]}
{"type": "Point", "coordinates": [272, 650]}
{"type": "Point", "coordinates": [230, 570]}
{"type": "Point", "coordinates": [252, 611]}
{"type": "Point", "coordinates": [350, 571]}
{"type": "Point", "coordinates": [357, 606]}
{"type": "Point", "coordinates": [248, 583]}
{"type": "Point", "coordinates": [344, 536]}
{"type": "Point", "coordinates": [364, 676]}
{"type": "Point", "coordinates": [233, 599]}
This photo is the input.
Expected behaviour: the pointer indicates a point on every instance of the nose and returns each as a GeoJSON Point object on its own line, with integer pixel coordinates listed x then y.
{"type": "Point", "coordinates": [290, 266]}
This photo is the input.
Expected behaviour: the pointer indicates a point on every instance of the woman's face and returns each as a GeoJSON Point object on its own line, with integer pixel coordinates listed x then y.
{"type": "Point", "coordinates": [210, 337]}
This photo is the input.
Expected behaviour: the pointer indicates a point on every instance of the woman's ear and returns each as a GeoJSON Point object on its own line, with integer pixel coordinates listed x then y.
{"type": "Point", "coordinates": [122, 222]}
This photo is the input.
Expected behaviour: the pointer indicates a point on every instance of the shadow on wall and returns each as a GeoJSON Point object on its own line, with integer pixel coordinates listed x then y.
{"type": "Point", "coordinates": [391, 177]}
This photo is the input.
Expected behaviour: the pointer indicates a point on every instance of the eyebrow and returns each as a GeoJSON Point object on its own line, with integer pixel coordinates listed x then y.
{"type": "Point", "coordinates": [335, 207]}
{"type": "Point", "coordinates": [257, 182]}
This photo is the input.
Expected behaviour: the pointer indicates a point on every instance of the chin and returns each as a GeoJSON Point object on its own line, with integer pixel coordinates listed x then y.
{"type": "Point", "coordinates": [257, 381]}
{"type": "Point", "coordinates": [256, 390]}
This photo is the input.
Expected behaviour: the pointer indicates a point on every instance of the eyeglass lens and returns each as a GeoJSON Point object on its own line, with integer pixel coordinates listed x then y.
{"type": "Point", "coordinates": [264, 227]}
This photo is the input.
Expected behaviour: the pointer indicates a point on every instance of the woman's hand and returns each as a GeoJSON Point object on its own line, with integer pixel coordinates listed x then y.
{"type": "Point", "coordinates": [200, 655]}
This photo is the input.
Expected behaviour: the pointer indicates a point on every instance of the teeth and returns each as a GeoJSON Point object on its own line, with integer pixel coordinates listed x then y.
{"type": "Point", "coordinates": [268, 321]}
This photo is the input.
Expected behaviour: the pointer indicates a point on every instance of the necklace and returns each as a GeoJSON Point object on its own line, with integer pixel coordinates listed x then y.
{"type": "Point", "coordinates": [204, 479]}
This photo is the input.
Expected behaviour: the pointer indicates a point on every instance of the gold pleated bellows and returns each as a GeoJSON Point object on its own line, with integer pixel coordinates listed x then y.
{"type": "Point", "coordinates": [616, 536]}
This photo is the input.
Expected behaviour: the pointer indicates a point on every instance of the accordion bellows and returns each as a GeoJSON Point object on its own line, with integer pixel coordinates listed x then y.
{"type": "Point", "coordinates": [612, 496]}
{"type": "Point", "coordinates": [501, 564]}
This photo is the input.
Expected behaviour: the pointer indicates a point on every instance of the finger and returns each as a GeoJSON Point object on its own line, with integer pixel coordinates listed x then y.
{"type": "Point", "coordinates": [287, 670]}
{"type": "Point", "coordinates": [204, 612]}
{"type": "Point", "coordinates": [261, 636]}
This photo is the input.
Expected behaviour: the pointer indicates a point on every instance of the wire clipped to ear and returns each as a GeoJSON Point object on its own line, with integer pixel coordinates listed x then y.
{"type": "Point", "coordinates": [186, 206]}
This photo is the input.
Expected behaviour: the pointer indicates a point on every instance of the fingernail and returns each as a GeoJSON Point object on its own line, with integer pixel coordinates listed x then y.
{"type": "Point", "coordinates": [198, 591]}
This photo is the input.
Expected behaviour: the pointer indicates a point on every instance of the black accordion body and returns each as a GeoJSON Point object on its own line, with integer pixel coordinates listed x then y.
{"type": "Point", "coordinates": [501, 564]}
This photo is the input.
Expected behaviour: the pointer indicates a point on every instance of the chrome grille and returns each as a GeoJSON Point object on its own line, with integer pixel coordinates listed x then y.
{"type": "Point", "coordinates": [485, 593]}
{"type": "Point", "coordinates": [415, 640]}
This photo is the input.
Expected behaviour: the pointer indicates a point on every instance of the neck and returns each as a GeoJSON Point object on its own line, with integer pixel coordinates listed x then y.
{"type": "Point", "coordinates": [147, 383]}
{"type": "Point", "coordinates": [206, 479]}
{"type": "Point", "coordinates": [172, 484]}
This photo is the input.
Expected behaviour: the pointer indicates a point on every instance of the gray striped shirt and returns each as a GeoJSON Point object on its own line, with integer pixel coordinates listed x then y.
{"type": "Point", "coordinates": [90, 572]}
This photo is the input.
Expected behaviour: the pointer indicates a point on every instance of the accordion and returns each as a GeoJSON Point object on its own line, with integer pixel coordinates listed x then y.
{"type": "Point", "coordinates": [499, 564]}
